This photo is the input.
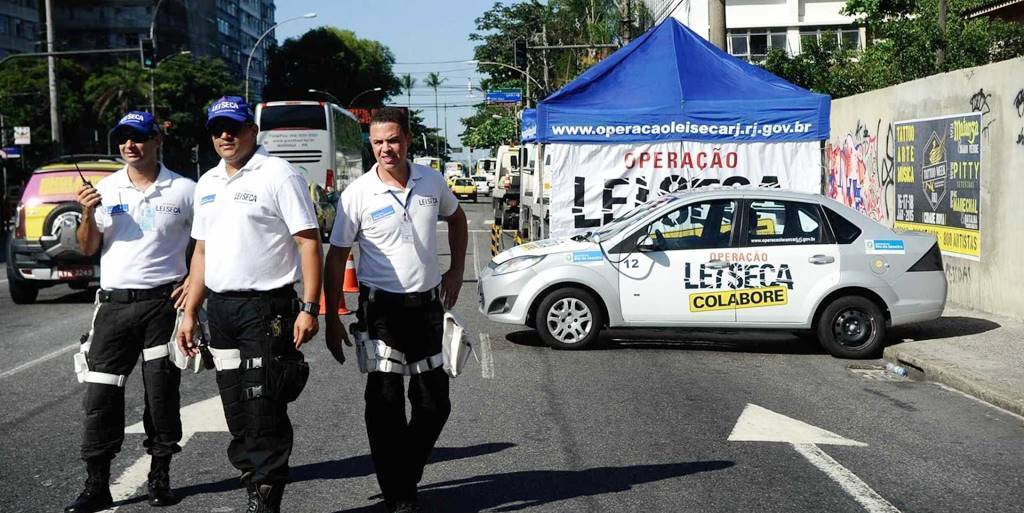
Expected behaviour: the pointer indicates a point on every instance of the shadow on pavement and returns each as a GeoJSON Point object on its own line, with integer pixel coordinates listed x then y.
{"type": "Point", "coordinates": [513, 491]}
{"type": "Point", "coordinates": [766, 342]}
{"type": "Point", "coordinates": [943, 327]}
{"type": "Point", "coordinates": [356, 466]}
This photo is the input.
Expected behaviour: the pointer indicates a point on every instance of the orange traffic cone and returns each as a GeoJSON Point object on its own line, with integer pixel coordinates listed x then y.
{"type": "Point", "coordinates": [342, 309]}
{"type": "Point", "coordinates": [351, 282]}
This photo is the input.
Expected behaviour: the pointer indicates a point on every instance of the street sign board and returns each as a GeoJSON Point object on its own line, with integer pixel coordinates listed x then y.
{"type": "Point", "coordinates": [11, 152]}
{"type": "Point", "coordinates": [22, 135]}
{"type": "Point", "coordinates": [505, 96]}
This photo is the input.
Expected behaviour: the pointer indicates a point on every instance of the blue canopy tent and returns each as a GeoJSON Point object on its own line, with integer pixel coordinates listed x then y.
{"type": "Point", "coordinates": [668, 111]}
{"type": "Point", "coordinates": [670, 84]}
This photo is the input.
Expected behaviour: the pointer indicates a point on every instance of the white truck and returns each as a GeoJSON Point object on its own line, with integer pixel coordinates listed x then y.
{"type": "Point", "coordinates": [505, 198]}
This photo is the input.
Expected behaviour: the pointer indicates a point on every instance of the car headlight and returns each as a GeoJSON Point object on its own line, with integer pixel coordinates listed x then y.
{"type": "Point", "coordinates": [517, 264]}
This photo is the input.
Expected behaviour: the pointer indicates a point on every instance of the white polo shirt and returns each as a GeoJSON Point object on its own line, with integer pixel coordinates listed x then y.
{"type": "Point", "coordinates": [145, 232]}
{"type": "Point", "coordinates": [247, 222]}
{"type": "Point", "coordinates": [394, 257]}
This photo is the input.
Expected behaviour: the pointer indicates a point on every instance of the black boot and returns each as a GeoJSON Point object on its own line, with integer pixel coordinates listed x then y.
{"type": "Point", "coordinates": [96, 495]}
{"type": "Point", "coordinates": [265, 498]}
{"type": "Point", "coordinates": [159, 485]}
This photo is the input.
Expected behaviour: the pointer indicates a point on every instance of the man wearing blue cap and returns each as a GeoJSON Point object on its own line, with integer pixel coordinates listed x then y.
{"type": "Point", "coordinates": [256, 236]}
{"type": "Point", "coordinates": [140, 218]}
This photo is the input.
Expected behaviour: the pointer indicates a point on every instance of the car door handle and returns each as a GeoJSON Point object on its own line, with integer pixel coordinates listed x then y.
{"type": "Point", "coordinates": [717, 264]}
{"type": "Point", "coordinates": [821, 259]}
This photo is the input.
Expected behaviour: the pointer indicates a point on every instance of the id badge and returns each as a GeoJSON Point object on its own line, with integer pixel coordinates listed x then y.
{"type": "Point", "coordinates": [405, 230]}
{"type": "Point", "coordinates": [147, 218]}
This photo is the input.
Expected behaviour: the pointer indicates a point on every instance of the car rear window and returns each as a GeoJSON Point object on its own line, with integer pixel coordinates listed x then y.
{"type": "Point", "coordinates": [845, 231]}
{"type": "Point", "coordinates": [463, 181]}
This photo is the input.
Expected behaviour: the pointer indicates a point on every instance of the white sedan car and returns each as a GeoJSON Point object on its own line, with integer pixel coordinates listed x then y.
{"type": "Point", "coordinates": [724, 257]}
{"type": "Point", "coordinates": [483, 188]}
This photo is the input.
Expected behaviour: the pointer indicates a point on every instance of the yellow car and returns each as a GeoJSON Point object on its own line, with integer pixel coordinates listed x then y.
{"type": "Point", "coordinates": [464, 188]}
{"type": "Point", "coordinates": [43, 250]}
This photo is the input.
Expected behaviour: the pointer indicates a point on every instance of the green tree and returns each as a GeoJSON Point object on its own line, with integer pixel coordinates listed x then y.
{"type": "Point", "coordinates": [116, 90]}
{"type": "Point", "coordinates": [489, 127]}
{"type": "Point", "coordinates": [903, 36]}
{"type": "Point", "coordinates": [25, 101]}
{"type": "Point", "coordinates": [407, 83]}
{"type": "Point", "coordinates": [185, 88]}
{"type": "Point", "coordinates": [434, 81]}
{"type": "Point", "coordinates": [333, 60]}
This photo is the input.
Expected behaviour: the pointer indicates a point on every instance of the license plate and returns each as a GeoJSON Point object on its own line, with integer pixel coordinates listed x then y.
{"type": "Point", "coordinates": [74, 272]}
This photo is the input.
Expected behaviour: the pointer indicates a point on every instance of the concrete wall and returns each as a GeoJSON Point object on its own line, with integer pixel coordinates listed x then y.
{"type": "Point", "coordinates": [860, 152]}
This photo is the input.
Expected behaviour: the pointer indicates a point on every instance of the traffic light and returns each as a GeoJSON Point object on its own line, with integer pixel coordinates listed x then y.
{"type": "Point", "coordinates": [519, 56]}
{"type": "Point", "coordinates": [148, 53]}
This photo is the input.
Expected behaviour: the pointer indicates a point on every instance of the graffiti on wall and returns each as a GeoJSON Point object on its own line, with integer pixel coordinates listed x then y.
{"type": "Point", "coordinates": [859, 176]}
{"type": "Point", "coordinates": [1018, 103]}
{"type": "Point", "coordinates": [957, 273]}
{"type": "Point", "coordinates": [979, 103]}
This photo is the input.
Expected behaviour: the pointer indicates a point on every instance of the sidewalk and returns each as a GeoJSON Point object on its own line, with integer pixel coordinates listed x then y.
{"type": "Point", "coordinates": [977, 353]}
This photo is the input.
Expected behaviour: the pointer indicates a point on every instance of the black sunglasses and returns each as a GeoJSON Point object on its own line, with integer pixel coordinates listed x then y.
{"type": "Point", "coordinates": [230, 126]}
{"type": "Point", "coordinates": [123, 136]}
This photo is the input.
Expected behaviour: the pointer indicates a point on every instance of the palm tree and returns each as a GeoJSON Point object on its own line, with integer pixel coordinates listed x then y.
{"type": "Point", "coordinates": [407, 83]}
{"type": "Point", "coordinates": [434, 80]}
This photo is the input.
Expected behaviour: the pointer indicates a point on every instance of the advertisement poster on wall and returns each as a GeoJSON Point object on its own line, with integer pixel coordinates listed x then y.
{"type": "Point", "coordinates": [592, 184]}
{"type": "Point", "coordinates": [938, 180]}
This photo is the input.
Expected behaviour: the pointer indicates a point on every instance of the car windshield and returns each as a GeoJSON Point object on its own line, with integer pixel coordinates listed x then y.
{"type": "Point", "coordinates": [463, 181]}
{"type": "Point", "coordinates": [480, 178]}
{"type": "Point", "coordinates": [614, 227]}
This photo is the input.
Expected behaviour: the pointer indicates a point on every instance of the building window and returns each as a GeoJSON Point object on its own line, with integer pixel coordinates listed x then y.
{"type": "Point", "coordinates": [223, 27]}
{"type": "Point", "coordinates": [846, 36]}
{"type": "Point", "coordinates": [4, 24]}
{"type": "Point", "coordinates": [752, 45]}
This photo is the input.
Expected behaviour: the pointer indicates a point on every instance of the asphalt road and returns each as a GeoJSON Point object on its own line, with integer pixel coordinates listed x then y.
{"type": "Point", "coordinates": [641, 423]}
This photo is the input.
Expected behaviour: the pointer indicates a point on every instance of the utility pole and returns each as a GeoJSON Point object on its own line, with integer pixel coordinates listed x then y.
{"type": "Point", "coordinates": [52, 71]}
{"type": "Point", "coordinates": [940, 52]}
{"type": "Point", "coordinates": [544, 56]}
{"type": "Point", "coordinates": [626, 31]}
{"type": "Point", "coordinates": [716, 23]}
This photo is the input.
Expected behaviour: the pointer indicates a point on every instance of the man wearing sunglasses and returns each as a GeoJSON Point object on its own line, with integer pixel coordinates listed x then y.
{"type": "Point", "coordinates": [256, 235]}
{"type": "Point", "coordinates": [140, 218]}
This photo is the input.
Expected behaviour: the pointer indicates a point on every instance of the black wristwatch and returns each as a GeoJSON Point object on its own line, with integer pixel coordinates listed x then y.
{"type": "Point", "coordinates": [310, 308]}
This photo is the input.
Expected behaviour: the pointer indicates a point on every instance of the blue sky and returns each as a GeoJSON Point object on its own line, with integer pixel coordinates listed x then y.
{"type": "Point", "coordinates": [416, 31]}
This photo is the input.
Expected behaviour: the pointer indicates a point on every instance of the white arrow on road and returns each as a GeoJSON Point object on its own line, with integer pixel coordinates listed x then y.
{"type": "Point", "coordinates": [204, 416]}
{"type": "Point", "coordinates": [757, 424]}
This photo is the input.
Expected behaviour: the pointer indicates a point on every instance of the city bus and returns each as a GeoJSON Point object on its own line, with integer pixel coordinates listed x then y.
{"type": "Point", "coordinates": [322, 140]}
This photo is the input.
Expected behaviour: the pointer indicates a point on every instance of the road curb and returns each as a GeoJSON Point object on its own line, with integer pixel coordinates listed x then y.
{"type": "Point", "coordinates": [951, 375]}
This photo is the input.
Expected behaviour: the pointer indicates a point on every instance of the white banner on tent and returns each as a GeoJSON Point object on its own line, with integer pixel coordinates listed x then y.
{"type": "Point", "coordinates": [591, 184]}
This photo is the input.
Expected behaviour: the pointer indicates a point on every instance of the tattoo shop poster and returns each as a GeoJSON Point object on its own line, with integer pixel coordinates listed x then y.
{"type": "Point", "coordinates": [938, 181]}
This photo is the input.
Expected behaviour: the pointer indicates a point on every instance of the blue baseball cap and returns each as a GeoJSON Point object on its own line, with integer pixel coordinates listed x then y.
{"type": "Point", "coordinates": [139, 121]}
{"type": "Point", "coordinates": [231, 107]}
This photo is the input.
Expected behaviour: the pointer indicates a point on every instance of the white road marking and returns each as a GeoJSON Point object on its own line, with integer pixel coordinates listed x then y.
{"type": "Point", "coordinates": [470, 231]}
{"type": "Point", "coordinates": [41, 359]}
{"type": "Point", "coordinates": [757, 424]}
{"type": "Point", "coordinates": [204, 416]}
{"type": "Point", "coordinates": [859, 490]}
{"type": "Point", "coordinates": [486, 358]}
{"type": "Point", "coordinates": [476, 263]}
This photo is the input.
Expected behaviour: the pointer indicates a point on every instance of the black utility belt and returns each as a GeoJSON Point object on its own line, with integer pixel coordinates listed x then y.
{"type": "Point", "coordinates": [285, 292]}
{"type": "Point", "coordinates": [133, 295]}
{"type": "Point", "coordinates": [407, 299]}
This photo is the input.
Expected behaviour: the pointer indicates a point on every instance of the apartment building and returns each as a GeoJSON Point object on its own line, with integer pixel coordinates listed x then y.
{"type": "Point", "coordinates": [754, 27]}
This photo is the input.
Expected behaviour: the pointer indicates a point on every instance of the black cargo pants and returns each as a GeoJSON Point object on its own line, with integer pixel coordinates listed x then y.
{"type": "Point", "coordinates": [125, 324]}
{"type": "Point", "coordinates": [258, 325]}
{"type": "Point", "coordinates": [413, 324]}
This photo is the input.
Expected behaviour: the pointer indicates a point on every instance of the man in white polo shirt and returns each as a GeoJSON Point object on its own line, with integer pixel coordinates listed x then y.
{"type": "Point", "coordinates": [140, 218]}
{"type": "Point", "coordinates": [256, 236]}
{"type": "Point", "coordinates": [392, 213]}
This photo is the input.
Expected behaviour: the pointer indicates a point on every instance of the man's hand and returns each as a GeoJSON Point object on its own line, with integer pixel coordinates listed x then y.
{"type": "Point", "coordinates": [180, 294]}
{"type": "Point", "coordinates": [451, 284]}
{"type": "Point", "coordinates": [306, 327]}
{"type": "Point", "coordinates": [335, 336]}
{"type": "Point", "coordinates": [88, 197]}
{"type": "Point", "coordinates": [186, 332]}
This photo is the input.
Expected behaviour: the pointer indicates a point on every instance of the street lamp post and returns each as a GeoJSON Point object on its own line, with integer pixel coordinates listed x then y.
{"type": "Point", "coordinates": [325, 93]}
{"type": "Point", "coordinates": [260, 40]}
{"type": "Point", "coordinates": [513, 68]}
{"type": "Point", "coordinates": [152, 71]}
{"type": "Point", "coordinates": [353, 101]}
